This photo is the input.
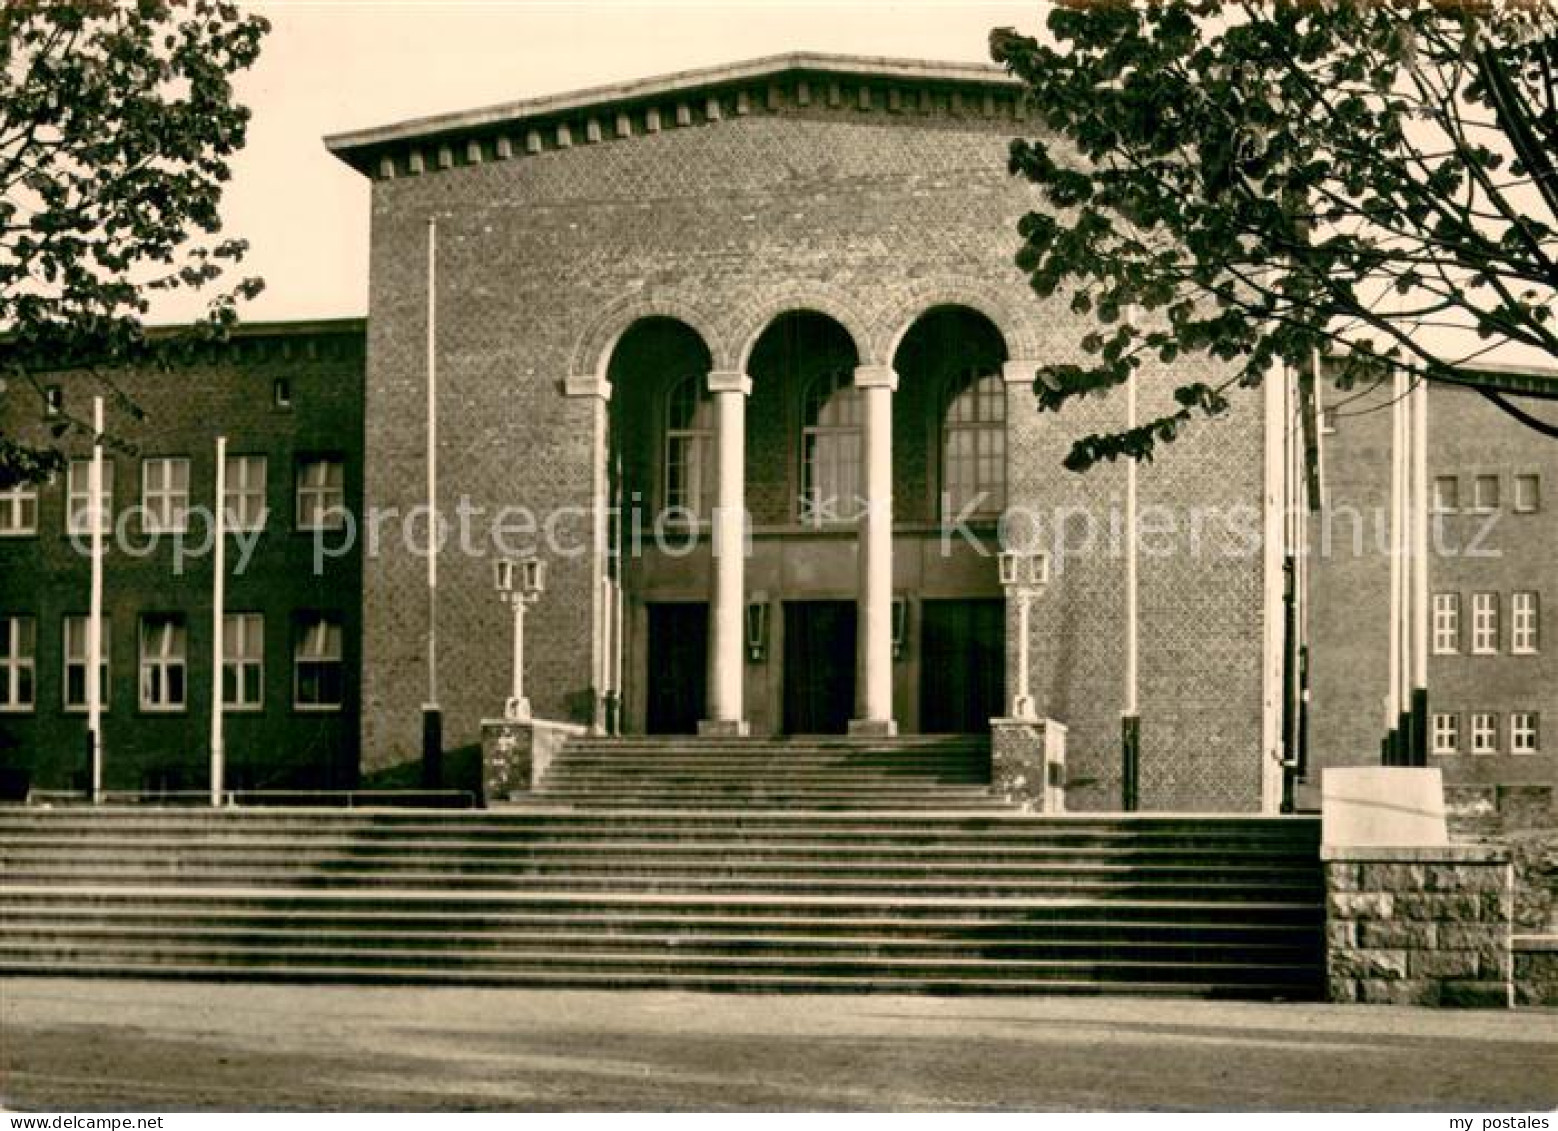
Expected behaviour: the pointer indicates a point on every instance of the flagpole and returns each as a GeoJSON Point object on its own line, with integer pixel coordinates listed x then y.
{"type": "Point", "coordinates": [218, 625]}
{"type": "Point", "coordinates": [432, 718]}
{"type": "Point", "coordinates": [1130, 717]}
{"type": "Point", "coordinates": [1419, 701]}
{"type": "Point", "coordinates": [96, 516]}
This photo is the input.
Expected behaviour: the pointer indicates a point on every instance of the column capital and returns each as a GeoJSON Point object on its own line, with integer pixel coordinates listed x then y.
{"type": "Point", "coordinates": [587, 385]}
{"type": "Point", "coordinates": [1020, 371]}
{"type": "Point", "coordinates": [730, 381]}
{"type": "Point", "coordinates": [876, 377]}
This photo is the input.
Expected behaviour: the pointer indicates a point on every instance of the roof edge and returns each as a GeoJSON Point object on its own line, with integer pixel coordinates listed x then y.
{"type": "Point", "coordinates": [658, 86]}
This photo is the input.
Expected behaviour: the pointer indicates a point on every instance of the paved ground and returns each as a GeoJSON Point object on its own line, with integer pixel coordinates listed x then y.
{"type": "Point", "coordinates": [94, 1045]}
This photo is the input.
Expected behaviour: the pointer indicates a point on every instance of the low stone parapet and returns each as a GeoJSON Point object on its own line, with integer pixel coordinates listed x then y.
{"type": "Point", "coordinates": [515, 756]}
{"type": "Point", "coordinates": [1028, 763]}
{"type": "Point", "coordinates": [1420, 926]}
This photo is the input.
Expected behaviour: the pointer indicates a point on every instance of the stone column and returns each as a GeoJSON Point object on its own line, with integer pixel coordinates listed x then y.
{"type": "Point", "coordinates": [727, 667]}
{"type": "Point", "coordinates": [874, 676]}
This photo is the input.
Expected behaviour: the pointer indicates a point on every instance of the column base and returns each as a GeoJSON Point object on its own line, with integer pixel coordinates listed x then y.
{"type": "Point", "coordinates": [873, 728]}
{"type": "Point", "coordinates": [723, 728]}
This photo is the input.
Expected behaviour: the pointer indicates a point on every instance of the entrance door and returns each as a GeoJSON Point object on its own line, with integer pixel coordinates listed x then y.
{"type": "Point", "coordinates": [819, 666]}
{"type": "Point", "coordinates": [678, 667]}
{"type": "Point", "coordinates": [962, 665]}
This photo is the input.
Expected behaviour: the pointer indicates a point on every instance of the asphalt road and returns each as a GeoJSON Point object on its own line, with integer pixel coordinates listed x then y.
{"type": "Point", "coordinates": [79, 1045]}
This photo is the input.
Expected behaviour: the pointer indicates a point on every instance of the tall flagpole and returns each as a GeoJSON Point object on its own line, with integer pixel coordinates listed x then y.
{"type": "Point", "coordinates": [96, 516]}
{"type": "Point", "coordinates": [218, 624]}
{"type": "Point", "coordinates": [1419, 701]}
{"type": "Point", "coordinates": [1130, 717]}
{"type": "Point", "coordinates": [432, 719]}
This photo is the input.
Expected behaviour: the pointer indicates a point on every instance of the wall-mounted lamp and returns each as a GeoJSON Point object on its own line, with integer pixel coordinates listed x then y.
{"type": "Point", "coordinates": [900, 626]}
{"type": "Point", "coordinates": [757, 627]}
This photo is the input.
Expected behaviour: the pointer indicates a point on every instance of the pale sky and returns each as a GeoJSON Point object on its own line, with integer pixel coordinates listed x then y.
{"type": "Point", "coordinates": [337, 65]}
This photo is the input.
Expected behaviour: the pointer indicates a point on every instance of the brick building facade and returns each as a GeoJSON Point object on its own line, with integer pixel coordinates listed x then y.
{"type": "Point", "coordinates": [760, 228]}
{"type": "Point", "coordinates": [289, 400]}
{"type": "Point", "coordinates": [622, 273]}
{"type": "Point", "coordinates": [1493, 592]}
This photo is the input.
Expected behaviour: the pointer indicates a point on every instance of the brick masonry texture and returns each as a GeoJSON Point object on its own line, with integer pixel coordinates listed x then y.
{"type": "Point", "coordinates": [1500, 552]}
{"type": "Point", "coordinates": [871, 218]}
{"type": "Point", "coordinates": [229, 391]}
{"type": "Point", "coordinates": [1423, 931]}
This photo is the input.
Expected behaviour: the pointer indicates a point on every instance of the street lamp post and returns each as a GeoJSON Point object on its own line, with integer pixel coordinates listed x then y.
{"type": "Point", "coordinates": [1023, 576]}
{"type": "Point", "coordinates": [520, 585]}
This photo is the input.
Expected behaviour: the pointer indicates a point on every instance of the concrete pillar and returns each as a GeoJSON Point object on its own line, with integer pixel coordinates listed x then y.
{"type": "Point", "coordinates": [727, 663]}
{"type": "Point", "coordinates": [874, 678]}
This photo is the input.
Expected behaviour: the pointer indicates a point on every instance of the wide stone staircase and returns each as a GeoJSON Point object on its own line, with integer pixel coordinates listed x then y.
{"type": "Point", "coordinates": [744, 865]}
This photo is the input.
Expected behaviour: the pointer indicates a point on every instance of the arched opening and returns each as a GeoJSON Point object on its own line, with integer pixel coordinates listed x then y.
{"type": "Point", "coordinates": [949, 436]}
{"type": "Point", "coordinates": [661, 476]}
{"type": "Point", "coordinates": [799, 444]}
{"type": "Point", "coordinates": [803, 469]}
{"type": "Point", "coordinates": [949, 418]}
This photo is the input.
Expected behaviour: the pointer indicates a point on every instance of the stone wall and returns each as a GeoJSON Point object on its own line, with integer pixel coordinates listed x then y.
{"type": "Point", "coordinates": [1420, 926]}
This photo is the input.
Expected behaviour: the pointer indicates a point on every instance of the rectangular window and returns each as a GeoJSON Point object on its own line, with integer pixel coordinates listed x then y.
{"type": "Point", "coordinates": [243, 661]}
{"type": "Point", "coordinates": [19, 511]}
{"type": "Point", "coordinates": [1484, 733]}
{"type": "Point", "coordinates": [76, 663]}
{"type": "Point", "coordinates": [1447, 624]}
{"type": "Point", "coordinates": [1523, 623]}
{"type": "Point", "coordinates": [1523, 733]}
{"type": "Point", "coordinates": [78, 496]}
{"type": "Point", "coordinates": [18, 663]}
{"type": "Point", "coordinates": [165, 493]}
{"type": "Point", "coordinates": [1484, 624]}
{"type": "Point", "coordinates": [319, 673]}
{"type": "Point", "coordinates": [1447, 494]}
{"type": "Point", "coordinates": [1528, 493]}
{"type": "Point", "coordinates": [1447, 733]}
{"type": "Point", "coordinates": [1485, 493]}
{"type": "Point", "coordinates": [164, 649]}
{"type": "Point", "coordinates": [245, 495]}
{"type": "Point", "coordinates": [321, 501]}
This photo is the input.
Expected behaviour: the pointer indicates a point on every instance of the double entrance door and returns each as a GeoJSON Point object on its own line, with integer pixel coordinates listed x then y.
{"type": "Point", "coordinates": [961, 658]}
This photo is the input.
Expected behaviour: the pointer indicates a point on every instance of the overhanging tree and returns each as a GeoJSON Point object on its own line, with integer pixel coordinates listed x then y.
{"type": "Point", "coordinates": [117, 124]}
{"type": "Point", "coordinates": [1265, 182]}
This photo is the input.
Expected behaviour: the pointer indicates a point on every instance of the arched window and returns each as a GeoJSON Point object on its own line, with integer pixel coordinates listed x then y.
{"type": "Point", "coordinates": [973, 447]}
{"type": "Point", "coordinates": [830, 450]}
{"type": "Point", "coordinates": [689, 448]}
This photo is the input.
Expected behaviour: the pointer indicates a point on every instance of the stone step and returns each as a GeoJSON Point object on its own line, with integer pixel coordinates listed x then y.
{"type": "Point", "coordinates": [669, 960]}
{"type": "Point", "coordinates": [624, 923]}
{"type": "Point", "coordinates": [40, 937]}
{"type": "Point", "coordinates": [716, 850]}
{"type": "Point", "coordinates": [1293, 990]}
{"type": "Point", "coordinates": [486, 903]}
{"type": "Point", "coordinates": [743, 883]}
